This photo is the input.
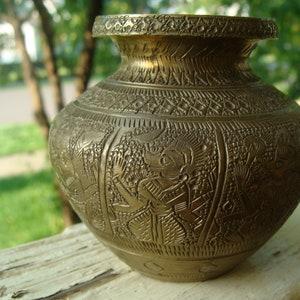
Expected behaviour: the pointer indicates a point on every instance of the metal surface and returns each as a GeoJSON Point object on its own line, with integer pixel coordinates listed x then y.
{"type": "Point", "coordinates": [183, 162]}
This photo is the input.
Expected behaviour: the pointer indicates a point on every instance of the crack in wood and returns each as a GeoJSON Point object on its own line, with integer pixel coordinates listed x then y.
{"type": "Point", "coordinates": [3, 289]}
{"type": "Point", "coordinates": [15, 267]}
{"type": "Point", "coordinates": [19, 294]}
{"type": "Point", "coordinates": [101, 278]}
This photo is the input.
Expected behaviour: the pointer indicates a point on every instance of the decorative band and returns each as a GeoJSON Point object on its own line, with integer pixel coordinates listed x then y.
{"type": "Point", "coordinates": [185, 25]}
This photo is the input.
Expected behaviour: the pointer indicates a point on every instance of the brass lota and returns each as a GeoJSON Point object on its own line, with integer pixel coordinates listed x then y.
{"type": "Point", "coordinates": [183, 162]}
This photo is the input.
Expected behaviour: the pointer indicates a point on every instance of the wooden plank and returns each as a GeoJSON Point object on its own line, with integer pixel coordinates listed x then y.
{"type": "Point", "coordinates": [54, 265]}
{"type": "Point", "coordinates": [74, 265]}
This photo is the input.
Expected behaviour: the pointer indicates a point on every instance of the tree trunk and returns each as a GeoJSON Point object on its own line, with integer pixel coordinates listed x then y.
{"type": "Point", "coordinates": [49, 55]}
{"type": "Point", "coordinates": [30, 77]}
{"type": "Point", "coordinates": [69, 215]}
{"type": "Point", "coordinates": [85, 61]}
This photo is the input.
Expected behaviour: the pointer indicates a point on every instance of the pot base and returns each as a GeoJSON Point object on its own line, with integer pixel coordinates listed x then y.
{"type": "Point", "coordinates": [180, 270]}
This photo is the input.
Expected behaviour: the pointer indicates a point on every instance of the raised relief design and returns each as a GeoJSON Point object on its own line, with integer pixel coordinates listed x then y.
{"type": "Point", "coordinates": [162, 183]}
{"type": "Point", "coordinates": [154, 186]}
{"type": "Point", "coordinates": [79, 164]}
{"type": "Point", "coordinates": [266, 170]}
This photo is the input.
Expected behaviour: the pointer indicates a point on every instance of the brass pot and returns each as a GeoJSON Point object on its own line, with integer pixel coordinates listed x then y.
{"type": "Point", "coordinates": [182, 162]}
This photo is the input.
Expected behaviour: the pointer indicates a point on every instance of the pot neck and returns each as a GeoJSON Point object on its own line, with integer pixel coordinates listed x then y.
{"type": "Point", "coordinates": [184, 61]}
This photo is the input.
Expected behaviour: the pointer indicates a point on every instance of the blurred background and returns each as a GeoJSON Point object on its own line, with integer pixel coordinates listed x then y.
{"type": "Point", "coordinates": [48, 57]}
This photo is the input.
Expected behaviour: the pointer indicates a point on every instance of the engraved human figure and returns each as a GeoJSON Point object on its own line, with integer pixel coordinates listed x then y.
{"type": "Point", "coordinates": [162, 201]}
{"type": "Point", "coordinates": [260, 184]}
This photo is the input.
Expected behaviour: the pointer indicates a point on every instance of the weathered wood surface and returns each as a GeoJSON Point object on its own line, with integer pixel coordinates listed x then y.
{"type": "Point", "coordinates": [74, 265]}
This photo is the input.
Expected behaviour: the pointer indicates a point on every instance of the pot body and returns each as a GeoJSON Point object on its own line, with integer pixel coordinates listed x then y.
{"type": "Point", "coordinates": [182, 162]}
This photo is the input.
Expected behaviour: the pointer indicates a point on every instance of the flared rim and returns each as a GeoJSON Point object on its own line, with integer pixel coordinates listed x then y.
{"type": "Point", "coordinates": [208, 26]}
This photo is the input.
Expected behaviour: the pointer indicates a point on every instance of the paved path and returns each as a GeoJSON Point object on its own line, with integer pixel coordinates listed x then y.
{"type": "Point", "coordinates": [16, 106]}
{"type": "Point", "coordinates": [17, 164]}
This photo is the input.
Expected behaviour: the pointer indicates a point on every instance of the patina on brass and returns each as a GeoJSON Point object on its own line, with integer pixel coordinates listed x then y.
{"type": "Point", "coordinates": [182, 162]}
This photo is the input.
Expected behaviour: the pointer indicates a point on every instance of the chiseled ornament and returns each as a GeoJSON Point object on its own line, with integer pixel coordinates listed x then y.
{"type": "Point", "coordinates": [183, 162]}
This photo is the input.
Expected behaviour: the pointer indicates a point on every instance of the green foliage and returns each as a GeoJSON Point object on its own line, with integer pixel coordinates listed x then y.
{"type": "Point", "coordinates": [30, 208]}
{"type": "Point", "coordinates": [20, 138]}
{"type": "Point", "coordinates": [69, 24]}
{"type": "Point", "coordinates": [10, 73]}
{"type": "Point", "coordinates": [278, 61]}
{"type": "Point", "coordinates": [189, 6]}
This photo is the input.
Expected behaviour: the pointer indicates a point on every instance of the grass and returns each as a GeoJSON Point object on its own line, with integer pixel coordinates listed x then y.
{"type": "Point", "coordinates": [30, 205]}
{"type": "Point", "coordinates": [30, 208]}
{"type": "Point", "coordinates": [20, 139]}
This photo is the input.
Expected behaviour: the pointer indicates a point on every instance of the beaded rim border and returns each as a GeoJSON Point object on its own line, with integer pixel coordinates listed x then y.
{"type": "Point", "coordinates": [207, 26]}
